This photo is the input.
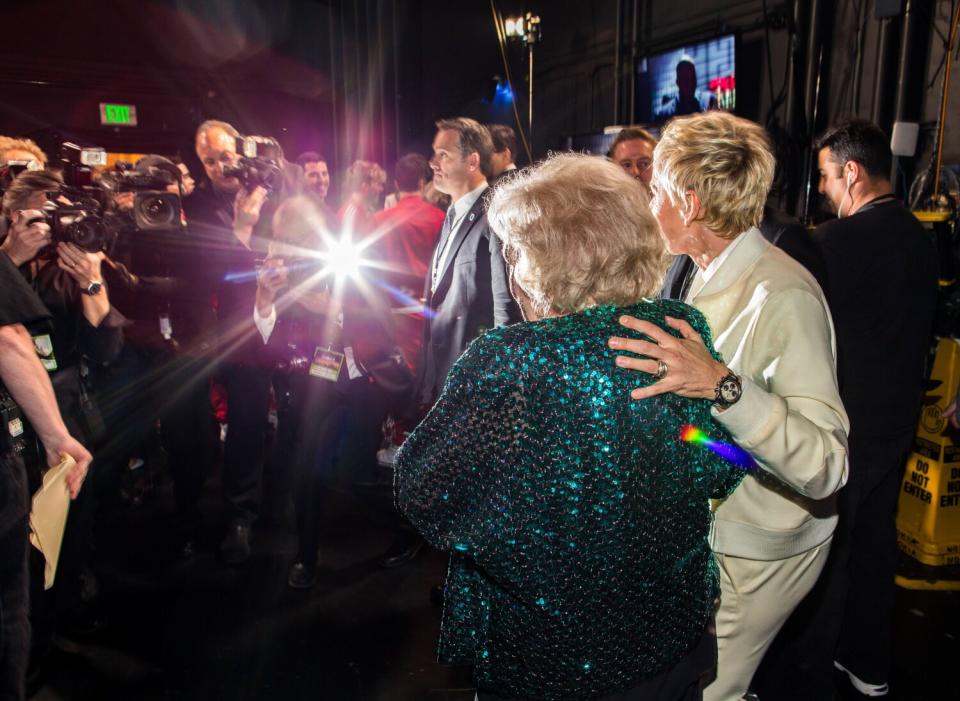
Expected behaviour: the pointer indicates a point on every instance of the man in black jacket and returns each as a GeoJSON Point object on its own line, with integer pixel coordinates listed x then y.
{"type": "Point", "coordinates": [467, 288]}
{"type": "Point", "coordinates": [883, 285]}
{"type": "Point", "coordinates": [231, 224]}
{"type": "Point", "coordinates": [159, 281]}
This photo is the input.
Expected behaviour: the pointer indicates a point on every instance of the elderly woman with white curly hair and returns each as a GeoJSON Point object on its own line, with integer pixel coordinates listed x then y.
{"type": "Point", "coordinates": [775, 389]}
{"type": "Point", "coordinates": [577, 520]}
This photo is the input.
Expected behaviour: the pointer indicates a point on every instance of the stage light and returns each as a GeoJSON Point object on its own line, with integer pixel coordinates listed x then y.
{"type": "Point", "coordinates": [502, 94]}
{"type": "Point", "coordinates": [526, 28]}
{"type": "Point", "coordinates": [513, 27]}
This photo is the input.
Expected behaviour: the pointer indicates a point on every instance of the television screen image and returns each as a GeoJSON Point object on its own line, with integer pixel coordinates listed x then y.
{"type": "Point", "coordinates": [687, 79]}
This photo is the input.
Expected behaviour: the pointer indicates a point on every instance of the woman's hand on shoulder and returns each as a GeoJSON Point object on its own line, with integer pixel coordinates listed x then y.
{"type": "Point", "coordinates": [683, 366]}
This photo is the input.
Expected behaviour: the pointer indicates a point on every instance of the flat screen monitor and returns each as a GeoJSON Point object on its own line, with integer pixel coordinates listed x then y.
{"type": "Point", "coordinates": [687, 79]}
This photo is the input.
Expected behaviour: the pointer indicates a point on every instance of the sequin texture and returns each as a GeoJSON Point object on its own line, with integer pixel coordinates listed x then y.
{"type": "Point", "coordinates": [576, 517]}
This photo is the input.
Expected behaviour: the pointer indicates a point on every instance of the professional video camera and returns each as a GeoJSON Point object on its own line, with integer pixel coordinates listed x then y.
{"type": "Point", "coordinates": [78, 223]}
{"type": "Point", "coordinates": [86, 220]}
{"type": "Point", "coordinates": [259, 164]}
{"type": "Point", "coordinates": [155, 208]}
{"type": "Point", "coordinates": [78, 163]}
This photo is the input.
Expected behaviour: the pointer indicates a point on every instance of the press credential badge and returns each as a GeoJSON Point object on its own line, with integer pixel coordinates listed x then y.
{"type": "Point", "coordinates": [44, 346]}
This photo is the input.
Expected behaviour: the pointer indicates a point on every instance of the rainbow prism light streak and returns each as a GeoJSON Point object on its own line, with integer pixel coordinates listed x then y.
{"type": "Point", "coordinates": [731, 453]}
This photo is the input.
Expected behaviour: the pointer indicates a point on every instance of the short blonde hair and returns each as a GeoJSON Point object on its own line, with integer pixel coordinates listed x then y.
{"type": "Point", "coordinates": [8, 144]}
{"type": "Point", "coordinates": [725, 159]}
{"type": "Point", "coordinates": [580, 232]}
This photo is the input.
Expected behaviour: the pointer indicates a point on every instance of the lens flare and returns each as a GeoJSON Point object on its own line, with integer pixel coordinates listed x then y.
{"type": "Point", "coordinates": [729, 452]}
{"type": "Point", "coordinates": [344, 258]}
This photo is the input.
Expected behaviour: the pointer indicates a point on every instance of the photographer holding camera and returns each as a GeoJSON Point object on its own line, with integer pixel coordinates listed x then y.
{"type": "Point", "coordinates": [327, 332]}
{"type": "Point", "coordinates": [229, 215]}
{"type": "Point", "coordinates": [158, 275]}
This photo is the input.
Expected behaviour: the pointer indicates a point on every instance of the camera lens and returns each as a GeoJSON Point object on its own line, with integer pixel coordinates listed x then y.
{"type": "Point", "coordinates": [156, 210]}
{"type": "Point", "coordinates": [86, 233]}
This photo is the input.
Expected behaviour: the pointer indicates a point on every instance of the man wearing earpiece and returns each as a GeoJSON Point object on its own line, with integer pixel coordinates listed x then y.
{"type": "Point", "coordinates": [882, 268]}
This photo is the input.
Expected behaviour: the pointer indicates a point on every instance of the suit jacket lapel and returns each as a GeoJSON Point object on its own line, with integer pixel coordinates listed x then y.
{"type": "Point", "coordinates": [680, 271]}
{"type": "Point", "coordinates": [469, 221]}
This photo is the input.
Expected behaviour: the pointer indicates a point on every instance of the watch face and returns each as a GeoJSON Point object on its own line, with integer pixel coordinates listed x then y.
{"type": "Point", "coordinates": [93, 288]}
{"type": "Point", "coordinates": [730, 391]}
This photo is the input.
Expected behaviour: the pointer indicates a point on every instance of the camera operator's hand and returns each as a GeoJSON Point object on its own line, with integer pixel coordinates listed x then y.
{"type": "Point", "coordinates": [68, 445]}
{"type": "Point", "coordinates": [81, 265]}
{"type": "Point", "coordinates": [123, 201]}
{"type": "Point", "coordinates": [246, 212]}
{"type": "Point", "coordinates": [84, 267]}
{"type": "Point", "coordinates": [271, 278]}
{"type": "Point", "coordinates": [24, 241]}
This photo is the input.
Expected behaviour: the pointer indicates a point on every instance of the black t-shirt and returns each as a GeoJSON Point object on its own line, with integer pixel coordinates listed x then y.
{"type": "Point", "coordinates": [71, 335]}
{"type": "Point", "coordinates": [882, 267]}
{"type": "Point", "coordinates": [19, 304]}
{"type": "Point", "coordinates": [230, 267]}
{"type": "Point", "coordinates": [170, 279]}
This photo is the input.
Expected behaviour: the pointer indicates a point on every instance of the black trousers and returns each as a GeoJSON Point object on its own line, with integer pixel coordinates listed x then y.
{"type": "Point", "coordinates": [49, 606]}
{"type": "Point", "coordinates": [848, 616]}
{"type": "Point", "coordinates": [144, 386]}
{"type": "Point", "coordinates": [188, 431]}
{"type": "Point", "coordinates": [77, 547]}
{"type": "Point", "coordinates": [865, 645]}
{"type": "Point", "coordinates": [328, 434]}
{"type": "Point", "coordinates": [248, 397]}
{"type": "Point", "coordinates": [14, 599]}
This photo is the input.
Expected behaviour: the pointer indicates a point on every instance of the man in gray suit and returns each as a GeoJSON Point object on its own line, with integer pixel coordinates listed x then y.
{"type": "Point", "coordinates": [467, 289]}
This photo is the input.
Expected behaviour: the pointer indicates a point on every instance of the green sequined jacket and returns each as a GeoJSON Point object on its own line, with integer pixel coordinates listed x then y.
{"type": "Point", "coordinates": [576, 517]}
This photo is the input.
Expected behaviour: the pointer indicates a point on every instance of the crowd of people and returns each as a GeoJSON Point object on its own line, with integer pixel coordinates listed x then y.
{"type": "Point", "coordinates": [650, 417]}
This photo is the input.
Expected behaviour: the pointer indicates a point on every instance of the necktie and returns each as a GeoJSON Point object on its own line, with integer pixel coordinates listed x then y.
{"type": "Point", "coordinates": [442, 247]}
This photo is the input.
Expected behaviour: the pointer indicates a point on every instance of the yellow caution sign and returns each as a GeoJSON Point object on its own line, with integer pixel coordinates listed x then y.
{"type": "Point", "coordinates": [928, 517]}
{"type": "Point", "coordinates": [933, 216]}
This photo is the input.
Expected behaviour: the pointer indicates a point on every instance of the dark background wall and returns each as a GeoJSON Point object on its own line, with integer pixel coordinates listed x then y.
{"type": "Point", "coordinates": [369, 78]}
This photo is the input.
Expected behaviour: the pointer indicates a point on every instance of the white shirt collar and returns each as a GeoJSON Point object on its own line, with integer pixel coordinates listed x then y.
{"type": "Point", "coordinates": [718, 261]}
{"type": "Point", "coordinates": [702, 277]}
{"type": "Point", "coordinates": [465, 203]}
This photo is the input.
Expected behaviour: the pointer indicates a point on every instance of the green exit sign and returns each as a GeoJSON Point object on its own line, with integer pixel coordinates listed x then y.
{"type": "Point", "coordinates": [118, 115]}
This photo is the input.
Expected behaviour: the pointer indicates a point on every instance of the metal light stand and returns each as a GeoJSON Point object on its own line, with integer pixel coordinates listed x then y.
{"type": "Point", "coordinates": [530, 37]}
{"type": "Point", "coordinates": [526, 29]}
